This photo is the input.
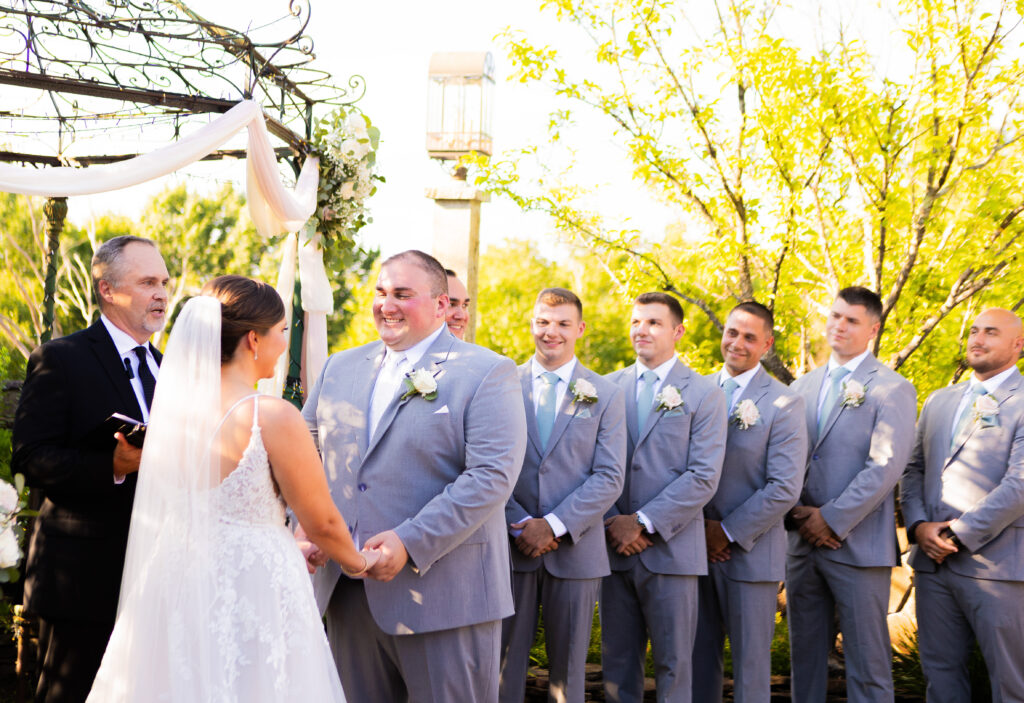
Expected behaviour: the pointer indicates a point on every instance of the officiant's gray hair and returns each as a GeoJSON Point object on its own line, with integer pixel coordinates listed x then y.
{"type": "Point", "coordinates": [106, 262]}
{"type": "Point", "coordinates": [423, 260]}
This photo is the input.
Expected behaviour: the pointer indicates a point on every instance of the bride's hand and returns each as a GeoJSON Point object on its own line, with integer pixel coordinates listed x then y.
{"type": "Point", "coordinates": [315, 557]}
{"type": "Point", "coordinates": [371, 556]}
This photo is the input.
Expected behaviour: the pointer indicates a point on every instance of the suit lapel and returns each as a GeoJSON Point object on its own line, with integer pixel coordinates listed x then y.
{"type": "Point", "coordinates": [568, 409]}
{"type": "Point", "coordinates": [366, 375]}
{"type": "Point", "coordinates": [526, 381]}
{"type": "Point", "coordinates": [436, 355]}
{"type": "Point", "coordinates": [863, 374]}
{"type": "Point", "coordinates": [1005, 391]}
{"type": "Point", "coordinates": [679, 377]}
{"type": "Point", "coordinates": [809, 391]}
{"type": "Point", "coordinates": [627, 381]}
{"type": "Point", "coordinates": [106, 353]}
{"type": "Point", "coordinates": [756, 389]}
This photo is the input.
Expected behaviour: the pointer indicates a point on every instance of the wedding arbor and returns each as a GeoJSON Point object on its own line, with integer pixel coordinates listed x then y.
{"type": "Point", "coordinates": [110, 93]}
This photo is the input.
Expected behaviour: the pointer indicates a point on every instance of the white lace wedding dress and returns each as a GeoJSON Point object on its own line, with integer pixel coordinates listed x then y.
{"type": "Point", "coordinates": [268, 640]}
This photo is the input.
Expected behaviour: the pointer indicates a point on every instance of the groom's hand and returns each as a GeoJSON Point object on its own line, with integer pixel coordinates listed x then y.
{"type": "Point", "coordinates": [392, 555]}
{"type": "Point", "coordinates": [536, 537]}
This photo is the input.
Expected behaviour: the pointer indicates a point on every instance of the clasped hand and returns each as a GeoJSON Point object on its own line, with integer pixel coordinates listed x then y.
{"type": "Point", "coordinates": [932, 543]}
{"type": "Point", "coordinates": [536, 537]}
{"type": "Point", "coordinates": [717, 541]}
{"type": "Point", "coordinates": [384, 553]}
{"type": "Point", "coordinates": [625, 535]}
{"type": "Point", "coordinates": [813, 528]}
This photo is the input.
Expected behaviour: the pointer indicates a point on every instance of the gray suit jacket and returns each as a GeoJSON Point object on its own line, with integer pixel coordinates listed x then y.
{"type": "Point", "coordinates": [979, 485]}
{"type": "Point", "coordinates": [437, 472]}
{"type": "Point", "coordinates": [577, 477]}
{"type": "Point", "coordinates": [855, 464]}
{"type": "Point", "coordinates": [672, 470]}
{"type": "Point", "coordinates": [761, 479]}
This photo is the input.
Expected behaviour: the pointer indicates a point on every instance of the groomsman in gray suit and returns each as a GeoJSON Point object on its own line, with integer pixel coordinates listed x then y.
{"type": "Point", "coordinates": [573, 472]}
{"type": "Point", "coordinates": [422, 438]}
{"type": "Point", "coordinates": [655, 531]}
{"type": "Point", "coordinates": [842, 543]}
{"type": "Point", "coordinates": [963, 498]}
{"type": "Point", "coordinates": [765, 459]}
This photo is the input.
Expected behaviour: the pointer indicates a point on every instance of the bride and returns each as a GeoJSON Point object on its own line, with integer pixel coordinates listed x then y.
{"type": "Point", "coordinates": [216, 603]}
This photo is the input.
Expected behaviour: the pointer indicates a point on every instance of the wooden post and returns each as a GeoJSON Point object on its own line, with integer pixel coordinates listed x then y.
{"type": "Point", "coordinates": [55, 210]}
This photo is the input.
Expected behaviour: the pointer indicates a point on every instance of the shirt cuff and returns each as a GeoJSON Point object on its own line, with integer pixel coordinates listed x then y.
{"type": "Point", "coordinates": [557, 526]}
{"type": "Point", "coordinates": [118, 480]}
{"type": "Point", "coordinates": [515, 532]}
{"type": "Point", "coordinates": [648, 525]}
{"type": "Point", "coordinates": [727, 535]}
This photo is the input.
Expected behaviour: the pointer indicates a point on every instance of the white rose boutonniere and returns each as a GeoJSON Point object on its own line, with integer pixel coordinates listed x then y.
{"type": "Point", "coordinates": [420, 382]}
{"type": "Point", "coordinates": [583, 391]}
{"type": "Point", "coordinates": [853, 394]}
{"type": "Point", "coordinates": [746, 414]}
{"type": "Point", "coordinates": [668, 398]}
{"type": "Point", "coordinates": [986, 411]}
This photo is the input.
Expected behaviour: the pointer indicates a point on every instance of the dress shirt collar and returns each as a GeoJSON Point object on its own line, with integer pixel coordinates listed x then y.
{"type": "Point", "coordinates": [661, 370]}
{"type": "Point", "coordinates": [564, 372]}
{"type": "Point", "coordinates": [414, 353]}
{"type": "Point", "coordinates": [123, 342]}
{"type": "Point", "coordinates": [993, 383]}
{"type": "Point", "coordinates": [742, 380]}
{"type": "Point", "coordinates": [850, 365]}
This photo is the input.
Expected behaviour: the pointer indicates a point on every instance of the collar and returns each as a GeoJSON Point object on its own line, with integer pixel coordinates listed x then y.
{"type": "Point", "coordinates": [993, 383]}
{"type": "Point", "coordinates": [414, 353]}
{"type": "Point", "coordinates": [850, 365]}
{"type": "Point", "coordinates": [564, 372]}
{"type": "Point", "coordinates": [741, 380]}
{"type": "Point", "coordinates": [123, 342]}
{"type": "Point", "coordinates": [661, 371]}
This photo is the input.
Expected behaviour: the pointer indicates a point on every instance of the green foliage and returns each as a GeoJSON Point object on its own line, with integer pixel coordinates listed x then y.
{"type": "Point", "coordinates": [795, 173]}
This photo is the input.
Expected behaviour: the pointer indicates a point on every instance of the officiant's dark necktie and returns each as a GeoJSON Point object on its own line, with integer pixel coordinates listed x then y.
{"type": "Point", "coordinates": [145, 376]}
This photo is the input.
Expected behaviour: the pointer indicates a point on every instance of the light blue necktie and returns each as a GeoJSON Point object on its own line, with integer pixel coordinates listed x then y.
{"type": "Point", "coordinates": [645, 400]}
{"type": "Point", "coordinates": [546, 407]}
{"type": "Point", "coordinates": [729, 387]}
{"type": "Point", "coordinates": [965, 417]}
{"type": "Point", "coordinates": [835, 380]}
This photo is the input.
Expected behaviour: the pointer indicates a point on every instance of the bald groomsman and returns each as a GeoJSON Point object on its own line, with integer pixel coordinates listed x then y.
{"type": "Point", "coordinates": [457, 316]}
{"type": "Point", "coordinates": [655, 531]}
{"type": "Point", "coordinates": [765, 459]}
{"type": "Point", "coordinates": [963, 498]}
{"type": "Point", "coordinates": [842, 547]}
{"type": "Point", "coordinates": [572, 473]}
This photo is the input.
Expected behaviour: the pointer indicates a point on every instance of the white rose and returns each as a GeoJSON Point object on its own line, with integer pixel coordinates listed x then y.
{"type": "Point", "coordinates": [986, 405]}
{"type": "Point", "coordinates": [8, 498]}
{"type": "Point", "coordinates": [363, 173]}
{"type": "Point", "coordinates": [347, 190]}
{"type": "Point", "coordinates": [747, 413]}
{"type": "Point", "coordinates": [357, 125]}
{"type": "Point", "coordinates": [670, 397]}
{"type": "Point", "coordinates": [423, 381]}
{"type": "Point", "coordinates": [10, 553]}
{"type": "Point", "coordinates": [853, 393]}
{"type": "Point", "coordinates": [584, 390]}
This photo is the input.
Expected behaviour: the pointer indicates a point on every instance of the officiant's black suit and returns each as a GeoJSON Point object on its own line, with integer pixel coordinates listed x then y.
{"type": "Point", "coordinates": [76, 556]}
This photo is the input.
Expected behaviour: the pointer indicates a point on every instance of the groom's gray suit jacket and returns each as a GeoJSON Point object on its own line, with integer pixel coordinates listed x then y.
{"type": "Point", "coordinates": [438, 472]}
{"type": "Point", "coordinates": [856, 463]}
{"type": "Point", "coordinates": [979, 485]}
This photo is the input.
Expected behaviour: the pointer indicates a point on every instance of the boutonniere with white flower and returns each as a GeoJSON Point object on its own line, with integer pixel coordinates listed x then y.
{"type": "Point", "coordinates": [746, 414]}
{"type": "Point", "coordinates": [853, 394]}
{"type": "Point", "coordinates": [986, 410]}
{"type": "Point", "coordinates": [668, 398]}
{"type": "Point", "coordinates": [420, 382]}
{"type": "Point", "coordinates": [583, 391]}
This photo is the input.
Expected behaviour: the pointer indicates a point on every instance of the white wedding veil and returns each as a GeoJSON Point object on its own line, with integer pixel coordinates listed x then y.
{"type": "Point", "coordinates": [162, 647]}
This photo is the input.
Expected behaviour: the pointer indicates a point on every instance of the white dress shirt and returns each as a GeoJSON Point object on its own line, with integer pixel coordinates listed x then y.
{"type": "Point", "coordinates": [742, 381]}
{"type": "Point", "coordinates": [661, 371]}
{"type": "Point", "coordinates": [564, 373]}
{"type": "Point", "coordinates": [393, 369]}
{"type": "Point", "coordinates": [125, 345]}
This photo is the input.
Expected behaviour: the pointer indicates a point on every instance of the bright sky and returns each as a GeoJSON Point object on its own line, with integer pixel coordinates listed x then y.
{"type": "Point", "coordinates": [389, 43]}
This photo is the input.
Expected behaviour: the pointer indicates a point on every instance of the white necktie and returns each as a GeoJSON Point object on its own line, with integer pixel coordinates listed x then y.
{"type": "Point", "coordinates": [389, 380]}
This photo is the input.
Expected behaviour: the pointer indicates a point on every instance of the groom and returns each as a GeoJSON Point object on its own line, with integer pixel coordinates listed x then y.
{"type": "Point", "coordinates": [421, 472]}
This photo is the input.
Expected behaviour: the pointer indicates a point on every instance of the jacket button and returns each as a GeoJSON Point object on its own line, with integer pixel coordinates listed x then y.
{"type": "Point", "coordinates": [362, 487]}
{"type": "Point", "coordinates": [814, 457]}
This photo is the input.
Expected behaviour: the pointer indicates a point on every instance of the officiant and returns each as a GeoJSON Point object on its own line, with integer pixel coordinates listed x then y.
{"type": "Point", "coordinates": [85, 473]}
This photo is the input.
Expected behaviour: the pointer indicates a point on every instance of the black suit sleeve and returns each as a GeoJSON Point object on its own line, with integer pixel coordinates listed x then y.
{"type": "Point", "coordinates": [52, 447]}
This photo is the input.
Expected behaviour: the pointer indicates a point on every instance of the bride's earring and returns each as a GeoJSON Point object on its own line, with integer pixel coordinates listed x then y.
{"type": "Point", "coordinates": [255, 354]}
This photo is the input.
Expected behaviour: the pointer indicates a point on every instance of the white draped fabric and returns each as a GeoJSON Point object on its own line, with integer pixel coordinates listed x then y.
{"type": "Point", "coordinates": [274, 208]}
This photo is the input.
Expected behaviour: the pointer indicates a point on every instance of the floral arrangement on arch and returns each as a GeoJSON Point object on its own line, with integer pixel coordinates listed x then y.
{"type": "Point", "coordinates": [13, 503]}
{"type": "Point", "coordinates": [346, 143]}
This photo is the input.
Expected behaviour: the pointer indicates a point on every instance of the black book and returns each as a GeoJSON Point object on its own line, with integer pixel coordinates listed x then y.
{"type": "Point", "coordinates": [133, 430]}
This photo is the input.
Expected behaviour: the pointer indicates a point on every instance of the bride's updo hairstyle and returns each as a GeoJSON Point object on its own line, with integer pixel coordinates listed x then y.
{"type": "Point", "coordinates": [245, 305]}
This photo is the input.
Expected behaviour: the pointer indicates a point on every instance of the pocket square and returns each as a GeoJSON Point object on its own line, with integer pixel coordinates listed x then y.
{"type": "Point", "coordinates": [674, 412]}
{"type": "Point", "coordinates": [443, 410]}
{"type": "Point", "coordinates": [584, 413]}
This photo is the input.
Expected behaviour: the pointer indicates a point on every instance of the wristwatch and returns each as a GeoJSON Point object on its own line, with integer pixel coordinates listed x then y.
{"type": "Point", "coordinates": [643, 527]}
{"type": "Point", "coordinates": [947, 533]}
